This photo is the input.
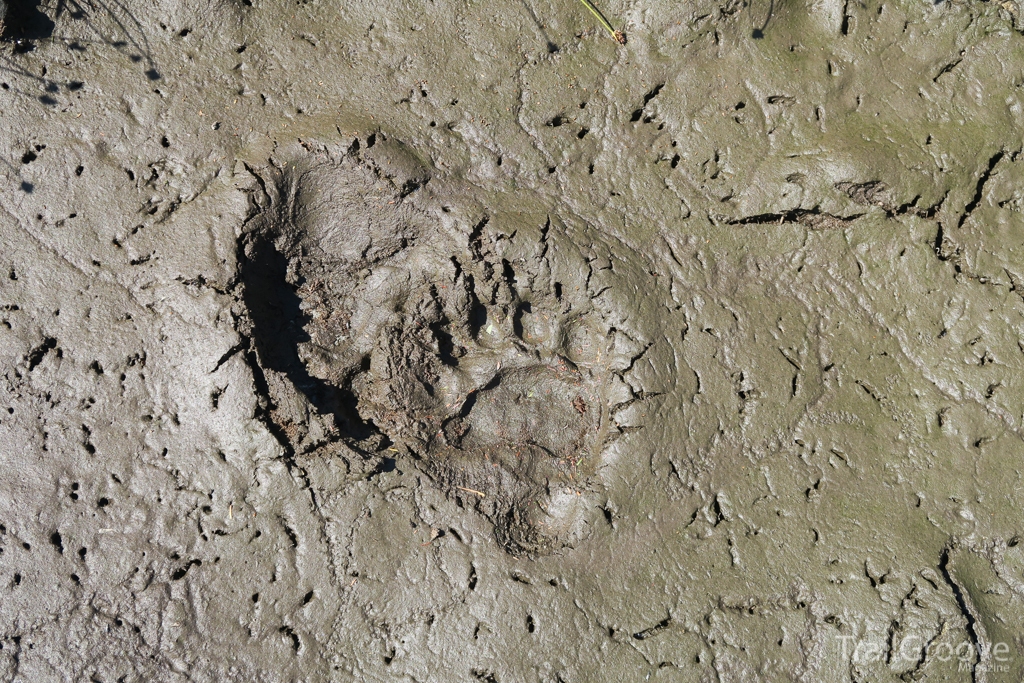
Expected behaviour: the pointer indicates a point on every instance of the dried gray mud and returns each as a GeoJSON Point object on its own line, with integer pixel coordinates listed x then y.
{"type": "Point", "coordinates": [451, 341]}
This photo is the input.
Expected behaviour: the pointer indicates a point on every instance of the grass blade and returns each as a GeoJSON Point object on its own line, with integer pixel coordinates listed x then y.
{"type": "Point", "coordinates": [619, 36]}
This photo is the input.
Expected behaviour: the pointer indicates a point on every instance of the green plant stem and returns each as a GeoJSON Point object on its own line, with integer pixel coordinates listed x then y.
{"type": "Point", "coordinates": [617, 35]}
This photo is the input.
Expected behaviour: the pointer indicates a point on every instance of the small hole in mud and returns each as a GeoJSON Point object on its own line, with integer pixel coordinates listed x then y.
{"type": "Point", "coordinates": [255, 597]}
{"type": "Point", "coordinates": [433, 124]}
{"type": "Point", "coordinates": [307, 598]}
{"type": "Point", "coordinates": [531, 626]}
{"type": "Point", "coordinates": [28, 157]}
{"type": "Point", "coordinates": [590, 169]}
{"type": "Point", "coordinates": [583, 133]}
{"type": "Point", "coordinates": [371, 141]}
{"type": "Point", "coordinates": [102, 502]}
{"type": "Point", "coordinates": [184, 32]}
{"type": "Point", "coordinates": [500, 160]}
{"type": "Point", "coordinates": [241, 48]}
{"type": "Point", "coordinates": [551, 169]}
{"type": "Point", "coordinates": [78, 171]}
{"type": "Point", "coordinates": [164, 142]}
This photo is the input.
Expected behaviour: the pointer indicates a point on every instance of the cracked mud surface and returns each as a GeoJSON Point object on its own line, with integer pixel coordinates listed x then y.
{"type": "Point", "coordinates": [453, 341]}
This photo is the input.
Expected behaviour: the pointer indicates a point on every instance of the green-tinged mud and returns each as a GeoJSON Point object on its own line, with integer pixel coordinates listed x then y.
{"type": "Point", "coordinates": [451, 340]}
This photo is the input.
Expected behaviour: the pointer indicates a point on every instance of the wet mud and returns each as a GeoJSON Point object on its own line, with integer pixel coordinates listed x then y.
{"type": "Point", "coordinates": [381, 323]}
{"type": "Point", "coordinates": [453, 341]}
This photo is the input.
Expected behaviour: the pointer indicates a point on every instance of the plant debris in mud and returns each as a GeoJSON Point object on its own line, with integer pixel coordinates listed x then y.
{"type": "Point", "coordinates": [619, 36]}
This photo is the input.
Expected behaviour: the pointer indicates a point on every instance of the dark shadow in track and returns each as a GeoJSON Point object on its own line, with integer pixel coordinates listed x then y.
{"type": "Point", "coordinates": [275, 310]}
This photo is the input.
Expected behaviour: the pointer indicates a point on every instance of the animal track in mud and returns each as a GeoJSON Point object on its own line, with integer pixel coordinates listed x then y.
{"type": "Point", "coordinates": [379, 319]}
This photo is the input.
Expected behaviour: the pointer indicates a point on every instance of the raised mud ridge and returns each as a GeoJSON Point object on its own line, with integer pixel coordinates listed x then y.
{"type": "Point", "coordinates": [381, 321]}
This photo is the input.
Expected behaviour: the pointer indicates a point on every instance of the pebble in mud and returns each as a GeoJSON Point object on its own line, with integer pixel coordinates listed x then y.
{"type": "Point", "coordinates": [492, 377]}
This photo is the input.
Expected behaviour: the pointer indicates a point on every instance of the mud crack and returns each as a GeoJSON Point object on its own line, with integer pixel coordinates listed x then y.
{"type": "Point", "coordinates": [815, 219]}
{"type": "Point", "coordinates": [974, 628]}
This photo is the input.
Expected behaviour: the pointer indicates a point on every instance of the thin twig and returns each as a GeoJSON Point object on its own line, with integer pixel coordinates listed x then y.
{"type": "Point", "coordinates": [619, 36]}
{"type": "Point", "coordinates": [463, 488]}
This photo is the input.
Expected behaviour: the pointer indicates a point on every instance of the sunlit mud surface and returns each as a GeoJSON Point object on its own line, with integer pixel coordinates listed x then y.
{"type": "Point", "coordinates": [454, 341]}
